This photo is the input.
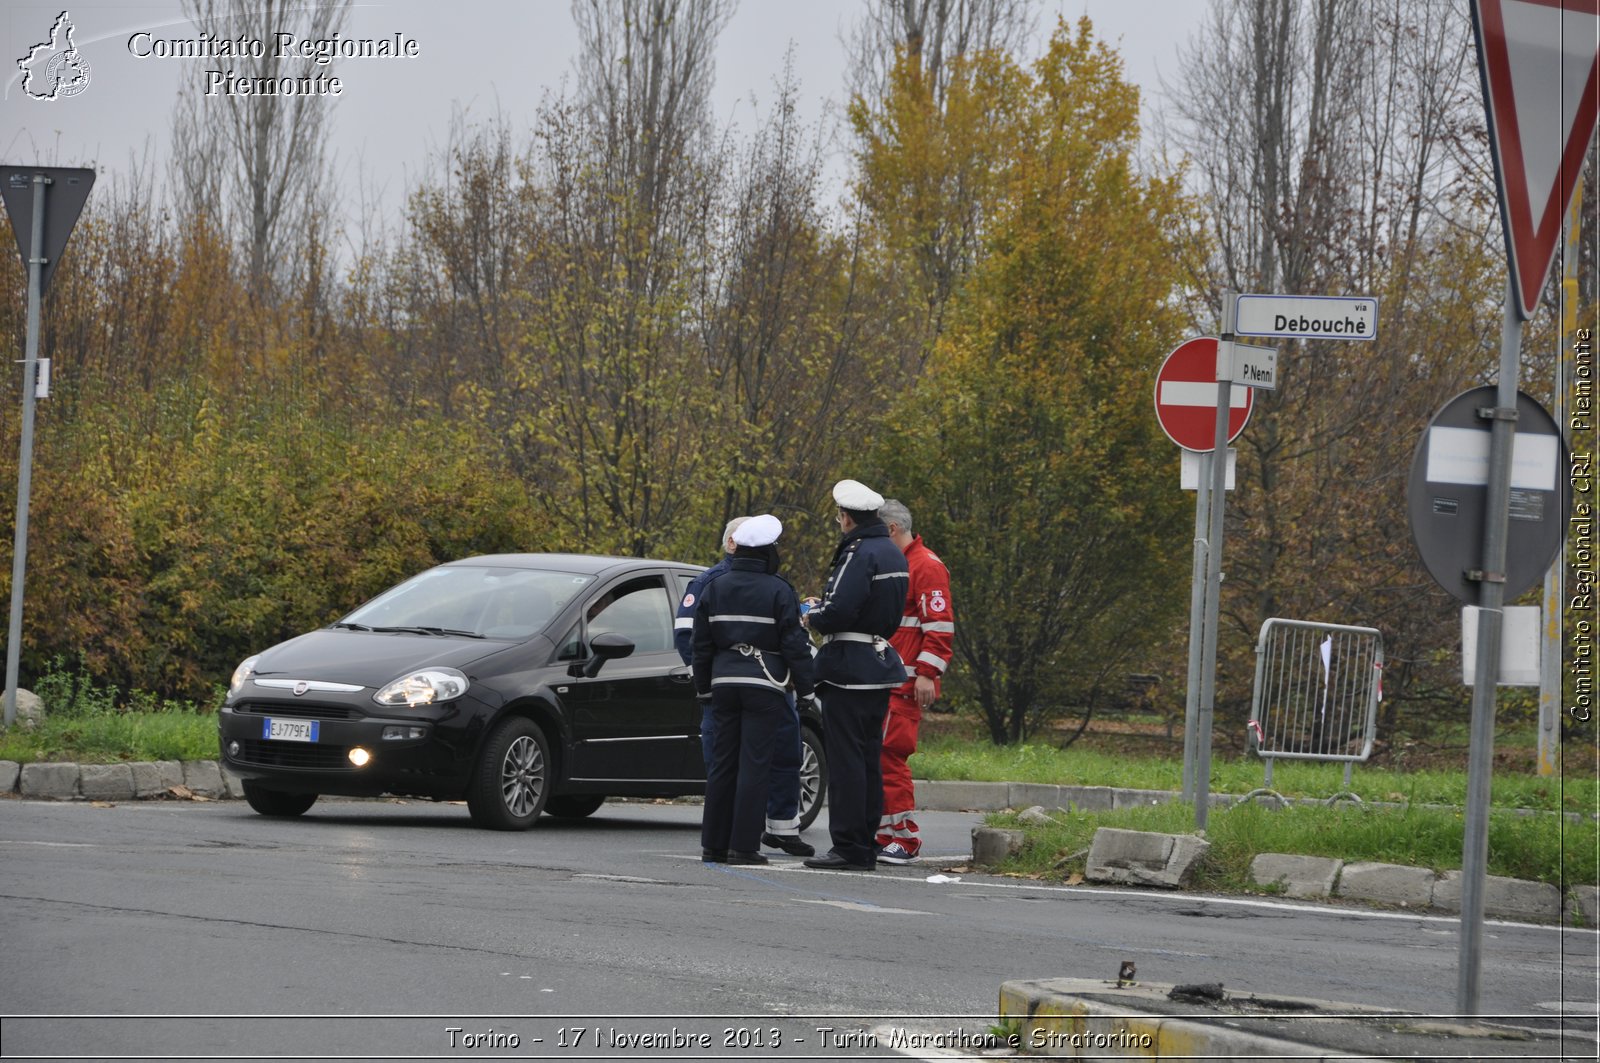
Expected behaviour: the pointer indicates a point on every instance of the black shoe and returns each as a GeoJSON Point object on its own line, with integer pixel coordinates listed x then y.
{"type": "Point", "coordinates": [789, 843]}
{"type": "Point", "coordinates": [831, 861]}
{"type": "Point", "coordinates": [736, 857]}
{"type": "Point", "coordinates": [713, 856]}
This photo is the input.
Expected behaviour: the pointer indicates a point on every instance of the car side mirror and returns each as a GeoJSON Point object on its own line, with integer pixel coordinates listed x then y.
{"type": "Point", "coordinates": [602, 648]}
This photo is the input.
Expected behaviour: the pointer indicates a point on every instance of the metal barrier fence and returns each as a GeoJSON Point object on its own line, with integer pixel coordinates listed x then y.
{"type": "Point", "coordinates": [1316, 693]}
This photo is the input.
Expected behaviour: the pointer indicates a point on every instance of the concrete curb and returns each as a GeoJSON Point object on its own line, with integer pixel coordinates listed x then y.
{"type": "Point", "coordinates": [1081, 1018]}
{"type": "Point", "coordinates": [137, 781]}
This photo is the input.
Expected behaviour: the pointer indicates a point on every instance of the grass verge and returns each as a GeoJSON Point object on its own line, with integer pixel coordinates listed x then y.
{"type": "Point", "coordinates": [89, 724]}
{"type": "Point", "coordinates": [1537, 847]}
{"type": "Point", "coordinates": [955, 757]}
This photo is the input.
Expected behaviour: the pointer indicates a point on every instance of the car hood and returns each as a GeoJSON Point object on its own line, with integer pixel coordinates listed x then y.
{"type": "Point", "coordinates": [369, 658]}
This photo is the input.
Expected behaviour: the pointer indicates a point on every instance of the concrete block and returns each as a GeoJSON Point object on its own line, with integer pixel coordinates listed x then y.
{"type": "Point", "coordinates": [232, 785]}
{"type": "Point", "coordinates": [55, 781]}
{"type": "Point", "coordinates": [991, 845]}
{"type": "Point", "coordinates": [106, 782]}
{"type": "Point", "coordinates": [1144, 858]}
{"type": "Point", "coordinates": [957, 796]}
{"type": "Point", "coordinates": [155, 778]}
{"type": "Point", "coordinates": [1582, 907]}
{"type": "Point", "coordinates": [1300, 876]}
{"type": "Point", "coordinates": [9, 771]}
{"type": "Point", "coordinates": [1121, 798]}
{"type": "Point", "coordinates": [1088, 798]}
{"type": "Point", "coordinates": [203, 777]}
{"type": "Point", "coordinates": [1028, 794]}
{"type": "Point", "coordinates": [1503, 898]}
{"type": "Point", "coordinates": [1405, 887]}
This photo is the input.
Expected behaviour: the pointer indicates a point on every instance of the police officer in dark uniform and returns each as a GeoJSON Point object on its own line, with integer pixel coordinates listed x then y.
{"type": "Point", "coordinates": [783, 799]}
{"type": "Point", "coordinates": [748, 647]}
{"type": "Point", "coordinates": [856, 668]}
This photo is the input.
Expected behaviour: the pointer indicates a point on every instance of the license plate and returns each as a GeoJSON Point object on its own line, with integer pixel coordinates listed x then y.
{"type": "Point", "coordinates": [289, 730]}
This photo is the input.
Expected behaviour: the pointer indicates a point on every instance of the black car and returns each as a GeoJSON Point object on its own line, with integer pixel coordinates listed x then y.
{"type": "Point", "coordinates": [522, 683]}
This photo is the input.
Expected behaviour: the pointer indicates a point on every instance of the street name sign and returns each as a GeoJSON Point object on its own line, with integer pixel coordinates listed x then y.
{"type": "Point", "coordinates": [1307, 317]}
{"type": "Point", "coordinates": [1186, 396]}
{"type": "Point", "coordinates": [1539, 61]}
{"type": "Point", "coordinates": [1254, 367]}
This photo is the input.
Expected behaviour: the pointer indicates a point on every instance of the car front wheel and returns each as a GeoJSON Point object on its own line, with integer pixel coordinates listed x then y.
{"type": "Point", "coordinates": [276, 802]}
{"type": "Point", "coordinates": [813, 777]}
{"type": "Point", "coordinates": [512, 780]}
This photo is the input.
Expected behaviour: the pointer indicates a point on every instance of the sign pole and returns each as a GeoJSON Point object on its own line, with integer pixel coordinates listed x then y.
{"type": "Point", "coordinates": [19, 550]}
{"type": "Point", "coordinates": [1197, 604]}
{"type": "Point", "coordinates": [1219, 495]}
{"type": "Point", "coordinates": [1491, 595]}
{"type": "Point", "coordinates": [1555, 592]}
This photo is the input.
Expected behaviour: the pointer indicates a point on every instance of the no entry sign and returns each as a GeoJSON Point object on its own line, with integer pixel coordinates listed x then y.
{"type": "Point", "coordinates": [1186, 397]}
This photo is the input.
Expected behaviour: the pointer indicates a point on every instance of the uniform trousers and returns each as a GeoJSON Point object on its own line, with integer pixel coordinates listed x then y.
{"type": "Point", "coordinates": [899, 794]}
{"type": "Point", "coordinates": [745, 720]}
{"type": "Point", "coordinates": [853, 739]}
{"type": "Point", "coordinates": [783, 799]}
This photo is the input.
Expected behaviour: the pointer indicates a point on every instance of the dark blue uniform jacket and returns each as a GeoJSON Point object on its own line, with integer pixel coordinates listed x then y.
{"type": "Point", "coordinates": [861, 607]}
{"type": "Point", "coordinates": [747, 632]}
{"type": "Point", "coordinates": [683, 624]}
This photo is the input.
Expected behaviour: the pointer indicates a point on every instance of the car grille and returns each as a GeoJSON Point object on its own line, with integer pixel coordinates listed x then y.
{"type": "Point", "coordinates": [293, 755]}
{"type": "Point", "coordinates": [299, 710]}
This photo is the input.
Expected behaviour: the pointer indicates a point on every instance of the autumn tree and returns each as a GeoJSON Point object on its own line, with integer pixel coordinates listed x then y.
{"type": "Point", "coordinates": [1026, 449]}
{"type": "Point", "coordinates": [256, 166]}
{"type": "Point", "coordinates": [915, 119]}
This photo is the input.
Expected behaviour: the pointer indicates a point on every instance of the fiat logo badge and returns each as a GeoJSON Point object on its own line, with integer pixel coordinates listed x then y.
{"type": "Point", "coordinates": [301, 687]}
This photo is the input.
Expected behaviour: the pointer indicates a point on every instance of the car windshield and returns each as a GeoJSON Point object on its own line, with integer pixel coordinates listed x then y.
{"type": "Point", "coordinates": [491, 602]}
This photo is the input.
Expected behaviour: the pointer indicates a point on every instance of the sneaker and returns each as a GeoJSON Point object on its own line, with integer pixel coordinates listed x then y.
{"type": "Point", "coordinates": [895, 853]}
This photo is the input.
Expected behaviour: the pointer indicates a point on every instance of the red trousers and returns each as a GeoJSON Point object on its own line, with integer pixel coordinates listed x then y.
{"type": "Point", "coordinates": [899, 796]}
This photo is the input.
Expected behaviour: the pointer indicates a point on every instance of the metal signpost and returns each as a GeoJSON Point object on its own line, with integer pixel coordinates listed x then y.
{"type": "Point", "coordinates": [1278, 317]}
{"type": "Point", "coordinates": [1539, 64]}
{"type": "Point", "coordinates": [1186, 400]}
{"type": "Point", "coordinates": [42, 223]}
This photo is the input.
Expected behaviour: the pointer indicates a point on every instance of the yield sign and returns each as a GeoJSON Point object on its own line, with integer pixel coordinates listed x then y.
{"type": "Point", "coordinates": [1186, 397]}
{"type": "Point", "coordinates": [1540, 65]}
{"type": "Point", "coordinates": [68, 191]}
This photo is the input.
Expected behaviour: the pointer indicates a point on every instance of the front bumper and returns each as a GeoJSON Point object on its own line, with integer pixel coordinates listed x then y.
{"type": "Point", "coordinates": [431, 763]}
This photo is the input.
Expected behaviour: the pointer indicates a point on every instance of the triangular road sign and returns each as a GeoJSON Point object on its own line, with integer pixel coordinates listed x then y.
{"type": "Point", "coordinates": [64, 198]}
{"type": "Point", "coordinates": [1540, 65]}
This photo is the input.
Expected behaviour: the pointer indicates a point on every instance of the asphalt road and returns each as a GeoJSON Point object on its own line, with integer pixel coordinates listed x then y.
{"type": "Point", "coordinates": [270, 936]}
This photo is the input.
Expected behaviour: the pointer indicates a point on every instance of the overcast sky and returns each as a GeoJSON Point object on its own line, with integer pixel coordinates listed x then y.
{"type": "Point", "coordinates": [482, 56]}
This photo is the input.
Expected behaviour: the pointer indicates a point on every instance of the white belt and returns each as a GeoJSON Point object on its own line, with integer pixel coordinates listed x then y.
{"type": "Point", "coordinates": [849, 636]}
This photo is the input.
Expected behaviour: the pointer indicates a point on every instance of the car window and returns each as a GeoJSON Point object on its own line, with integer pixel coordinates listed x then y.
{"type": "Point", "coordinates": [497, 602]}
{"type": "Point", "coordinates": [638, 609]}
{"type": "Point", "coordinates": [571, 647]}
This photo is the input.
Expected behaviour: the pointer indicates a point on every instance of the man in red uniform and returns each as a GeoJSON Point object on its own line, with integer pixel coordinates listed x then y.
{"type": "Point", "coordinates": [924, 639]}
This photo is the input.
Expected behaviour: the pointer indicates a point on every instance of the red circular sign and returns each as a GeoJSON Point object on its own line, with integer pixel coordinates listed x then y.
{"type": "Point", "coordinates": [1186, 397]}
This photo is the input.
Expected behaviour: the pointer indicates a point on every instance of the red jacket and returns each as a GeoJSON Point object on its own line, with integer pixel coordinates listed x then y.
{"type": "Point", "coordinates": [927, 626]}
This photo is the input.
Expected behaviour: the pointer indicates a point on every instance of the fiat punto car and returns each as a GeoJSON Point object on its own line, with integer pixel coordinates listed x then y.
{"type": "Point", "coordinates": [521, 683]}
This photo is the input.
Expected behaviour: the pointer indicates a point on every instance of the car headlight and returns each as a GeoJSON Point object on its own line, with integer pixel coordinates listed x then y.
{"type": "Point", "coordinates": [241, 673]}
{"type": "Point", "coordinates": [423, 688]}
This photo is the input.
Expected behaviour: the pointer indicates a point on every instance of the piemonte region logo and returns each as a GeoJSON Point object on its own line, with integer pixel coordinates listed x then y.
{"type": "Point", "coordinates": [55, 69]}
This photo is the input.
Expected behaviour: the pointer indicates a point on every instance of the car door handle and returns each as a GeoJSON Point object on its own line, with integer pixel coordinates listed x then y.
{"type": "Point", "coordinates": [681, 675]}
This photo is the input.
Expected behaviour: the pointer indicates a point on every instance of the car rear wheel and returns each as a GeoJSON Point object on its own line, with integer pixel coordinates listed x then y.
{"type": "Point", "coordinates": [512, 780]}
{"type": "Point", "coordinates": [276, 802]}
{"type": "Point", "coordinates": [575, 806]}
{"type": "Point", "coordinates": [813, 777]}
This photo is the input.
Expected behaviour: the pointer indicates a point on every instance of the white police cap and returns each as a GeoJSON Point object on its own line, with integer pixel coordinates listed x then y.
{"type": "Point", "coordinates": [758, 531]}
{"type": "Point", "coordinates": [852, 494]}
